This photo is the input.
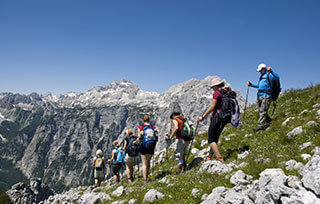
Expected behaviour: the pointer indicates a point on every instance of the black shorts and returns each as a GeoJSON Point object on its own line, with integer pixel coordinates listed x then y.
{"type": "Point", "coordinates": [149, 150]}
{"type": "Point", "coordinates": [116, 168]}
{"type": "Point", "coordinates": [215, 129]}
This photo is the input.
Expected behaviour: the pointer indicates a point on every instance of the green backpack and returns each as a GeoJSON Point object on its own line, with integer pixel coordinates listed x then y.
{"type": "Point", "coordinates": [187, 131]}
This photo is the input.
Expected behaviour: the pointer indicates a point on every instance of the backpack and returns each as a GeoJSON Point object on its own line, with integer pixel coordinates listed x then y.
{"type": "Point", "coordinates": [149, 137]}
{"type": "Point", "coordinates": [132, 149]}
{"type": "Point", "coordinates": [275, 89]}
{"type": "Point", "coordinates": [230, 111]}
{"type": "Point", "coordinates": [119, 156]}
{"type": "Point", "coordinates": [187, 131]}
{"type": "Point", "coordinates": [98, 164]}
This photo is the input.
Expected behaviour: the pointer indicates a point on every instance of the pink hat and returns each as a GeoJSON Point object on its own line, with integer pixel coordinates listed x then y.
{"type": "Point", "coordinates": [216, 81]}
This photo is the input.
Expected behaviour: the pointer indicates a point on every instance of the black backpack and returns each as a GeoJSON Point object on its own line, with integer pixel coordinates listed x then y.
{"type": "Point", "coordinates": [230, 111]}
{"type": "Point", "coordinates": [132, 149]}
{"type": "Point", "coordinates": [275, 89]}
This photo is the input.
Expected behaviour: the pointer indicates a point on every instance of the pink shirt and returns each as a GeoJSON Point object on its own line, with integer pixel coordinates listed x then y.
{"type": "Point", "coordinates": [218, 96]}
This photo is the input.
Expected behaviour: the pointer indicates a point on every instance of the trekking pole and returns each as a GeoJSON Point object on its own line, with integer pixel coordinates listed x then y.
{"type": "Point", "coordinates": [195, 133]}
{"type": "Point", "coordinates": [167, 149]}
{"type": "Point", "coordinates": [245, 106]}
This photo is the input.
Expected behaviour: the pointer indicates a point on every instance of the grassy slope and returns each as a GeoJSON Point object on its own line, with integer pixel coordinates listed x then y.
{"type": "Point", "coordinates": [268, 149]}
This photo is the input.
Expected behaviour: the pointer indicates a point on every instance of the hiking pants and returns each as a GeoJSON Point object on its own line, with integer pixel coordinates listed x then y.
{"type": "Point", "coordinates": [263, 107]}
{"type": "Point", "coordinates": [215, 128]}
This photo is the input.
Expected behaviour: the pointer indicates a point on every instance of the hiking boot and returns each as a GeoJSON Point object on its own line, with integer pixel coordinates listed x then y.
{"type": "Point", "coordinates": [220, 159]}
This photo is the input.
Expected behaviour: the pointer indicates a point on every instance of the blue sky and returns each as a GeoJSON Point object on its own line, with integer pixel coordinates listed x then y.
{"type": "Point", "coordinates": [73, 45]}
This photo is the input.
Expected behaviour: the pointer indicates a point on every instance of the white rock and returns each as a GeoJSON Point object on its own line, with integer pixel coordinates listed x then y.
{"type": "Point", "coordinates": [204, 197]}
{"type": "Point", "coordinates": [215, 195]}
{"type": "Point", "coordinates": [243, 164]}
{"type": "Point", "coordinates": [304, 111]}
{"type": "Point", "coordinates": [91, 198]}
{"type": "Point", "coordinates": [243, 155]}
{"type": "Point", "coordinates": [240, 178]}
{"type": "Point", "coordinates": [215, 167]}
{"type": "Point", "coordinates": [312, 123]}
{"type": "Point", "coordinates": [247, 135]}
{"type": "Point", "coordinates": [305, 156]}
{"type": "Point", "coordinates": [316, 106]}
{"type": "Point", "coordinates": [287, 120]}
{"type": "Point", "coordinates": [296, 131]}
{"type": "Point", "coordinates": [203, 143]}
{"type": "Point", "coordinates": [195, 192]}
{"type": "Point", "coordinates": [311, 175]}
{"type": "Point", "coordinates": [119, 202]}
{"type": "Point", "coordinates": [236, 197]}
{"type": "Point", "coordinates": [153, 195]}
{"type": "Point", "coordinates": [305, 145]}
{"type": "Point", "coordinates": [132, 201]}
{"type": "Point", "coordinates": [293, 165]}
{"type": "Point", "coordinates": [203, 153]}
{"type": "Point", "coordinates": [194, 150]}
{"type": "Point", "coordinates": [118, 192]}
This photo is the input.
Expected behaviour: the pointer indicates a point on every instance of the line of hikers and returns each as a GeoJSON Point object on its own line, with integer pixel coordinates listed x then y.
{"type": "Point", "coordinates": [223, 109]}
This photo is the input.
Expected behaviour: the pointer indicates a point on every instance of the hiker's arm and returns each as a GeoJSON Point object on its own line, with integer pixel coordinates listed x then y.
{"type": "Point", "coordinates": [253, 85]}
{"type": "Point", "coordinates": [138, 138]}
{"type": "Point", "coordinates": [274, 75]}
{"type": "Point", "coordinates": [175, 128]}
{"type": "Point", "coordinates": [209, 110]}
{"type": "Point", "coordinates": [124, 145]}
{"type": "Point", "coordinates": [112, 157]}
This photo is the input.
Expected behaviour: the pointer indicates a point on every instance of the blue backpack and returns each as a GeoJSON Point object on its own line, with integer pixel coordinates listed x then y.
{"type": "Point", "coordinates": [119, 156]}
{"type": "Point", "coordinates": [149, 137]}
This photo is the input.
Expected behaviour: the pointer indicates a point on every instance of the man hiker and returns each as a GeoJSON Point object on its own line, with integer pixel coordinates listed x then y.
{"type": "Point", "coordinates": [264, 86]}
{"type": "Point", "coordinates": [147, 136]}
{"type": "Point", "coordinates": [181, 144]}
{"type": "Point", "coordinates": [99, 167]}
{"type": "Point", "coordinates": [132, 150]}
{"type": "Point", "coordinates": [216, 125]}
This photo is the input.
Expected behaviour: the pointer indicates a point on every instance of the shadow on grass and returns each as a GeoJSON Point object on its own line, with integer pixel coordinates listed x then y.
{"type": "Point", "coordinates": [194, 163]}
{"type": "Point", "coordinates": [239, 150]}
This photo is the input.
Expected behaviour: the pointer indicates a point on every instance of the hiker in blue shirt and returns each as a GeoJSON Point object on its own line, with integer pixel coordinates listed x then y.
{"type": "Point", "coordinates": [264, 94]}
{"type": "Point", "coordinates": [115, 159]}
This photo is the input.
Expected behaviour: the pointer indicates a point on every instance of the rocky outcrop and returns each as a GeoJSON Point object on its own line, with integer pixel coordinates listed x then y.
{"type": "Point", "coordinates": [273, 186]}
{"type": "Point", "coordinates": [35, 192]}
{"type": "Point", "coordinates": [153, 195]}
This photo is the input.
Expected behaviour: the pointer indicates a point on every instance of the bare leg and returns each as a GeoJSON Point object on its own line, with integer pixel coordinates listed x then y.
{"type": "Point", "coordinates": [215, 150]}
{"type": "Point", "coordinates": [146, 165]}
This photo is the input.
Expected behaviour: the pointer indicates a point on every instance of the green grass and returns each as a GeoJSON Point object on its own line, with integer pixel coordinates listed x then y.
{"type": "Point", "coordinates": [4, 198]}
{"type": "Point", "coordinates": [268, 149]}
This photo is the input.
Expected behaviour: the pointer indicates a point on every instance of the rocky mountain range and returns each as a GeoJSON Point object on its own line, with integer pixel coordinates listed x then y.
{"type": "Point", "coordinates": [55, 137]}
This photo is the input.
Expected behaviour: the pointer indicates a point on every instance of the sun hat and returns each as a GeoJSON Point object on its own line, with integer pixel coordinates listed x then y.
{"type": "Point", "coordinates": [260, 67]}
{"type": "Point", "coordinates": [99, 152]}
{"type": "Point", "coordinates": [216, 81]}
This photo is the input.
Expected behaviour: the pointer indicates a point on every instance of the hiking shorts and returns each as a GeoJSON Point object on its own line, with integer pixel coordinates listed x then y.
{"type": "Point", "coordinates": [98, 174]}
{"type": "Point", "coordinates": [181, 150]}
{"type": "Point", "coordinates": [116, 168]}
{"type": "Point", "coordinates": [144, 150]}
{"type": "Point", "coordinates": [215, 129]}
{"type": "Point", "coordinates": [130, 160]}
